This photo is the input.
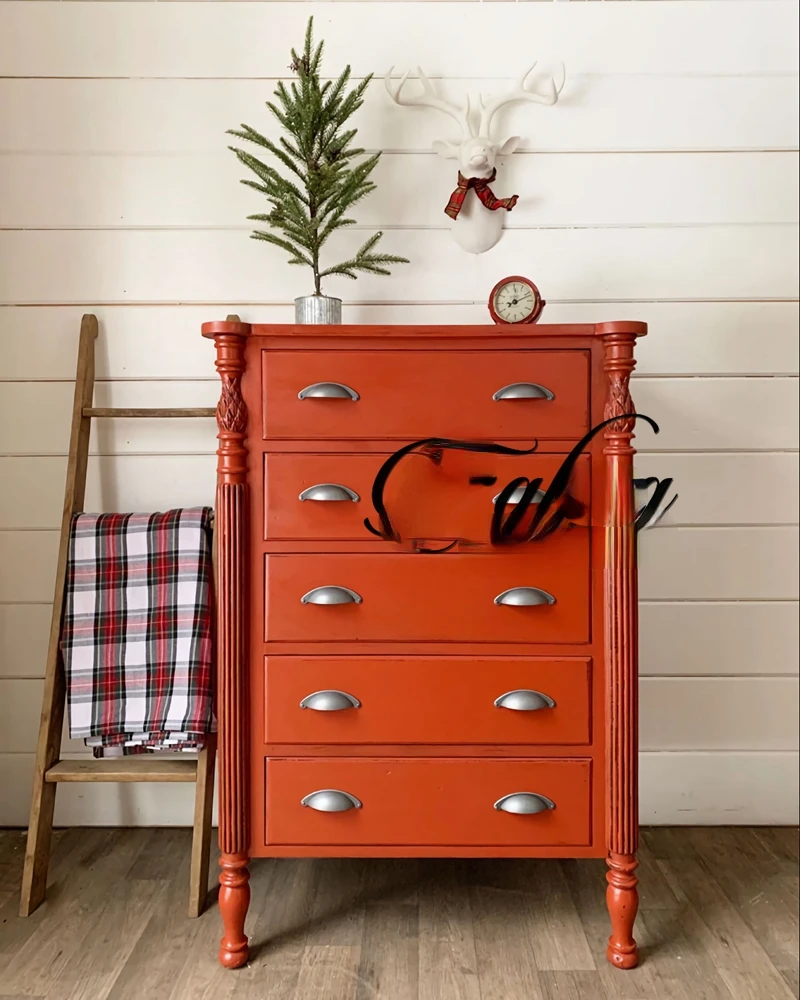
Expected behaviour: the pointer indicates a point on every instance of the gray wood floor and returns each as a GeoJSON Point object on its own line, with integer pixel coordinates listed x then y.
{"type": "Point", "coordinates": [718, 920]}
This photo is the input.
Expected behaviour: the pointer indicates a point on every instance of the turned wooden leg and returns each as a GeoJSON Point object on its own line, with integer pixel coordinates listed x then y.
{"type": "Point", "coordinates": [622, 898]}
{"type": "Point", "coordinates": [232, 587]}
{"type": "Point", "coordinates": [621, 647]}
{"type": "Point", "coordinates": [234, 899]}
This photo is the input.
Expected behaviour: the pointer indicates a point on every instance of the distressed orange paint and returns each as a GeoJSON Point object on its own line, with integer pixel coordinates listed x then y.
{"type": "Point", "coordinates": [427, 755]}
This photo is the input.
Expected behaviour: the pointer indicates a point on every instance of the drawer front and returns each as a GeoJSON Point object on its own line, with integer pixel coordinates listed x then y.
{"type": "Point", "coordinates": [424, 499]}
{"type": "Point", "coordinates": [420, 394]}
{"type": "Point", "coordinates": [427, 802]}
{"type": "Point", "coordinates": [412, 699]}
{"type": "Point", "coordinates": [429, 597]}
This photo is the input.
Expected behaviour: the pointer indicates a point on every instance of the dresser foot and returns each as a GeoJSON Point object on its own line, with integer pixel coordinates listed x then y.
{"type": "Point", "coordinates": [234, 899]}
{"type": "Point", "coordinates": [622, 899]}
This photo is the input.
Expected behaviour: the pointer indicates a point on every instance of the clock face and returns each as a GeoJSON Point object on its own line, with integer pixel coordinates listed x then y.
{"type": "Point", "coordinates": [514, 301]}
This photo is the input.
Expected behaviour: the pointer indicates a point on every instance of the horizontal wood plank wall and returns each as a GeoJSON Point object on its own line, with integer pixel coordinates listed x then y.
{"type": "Point", "coordinates": [663, 187]}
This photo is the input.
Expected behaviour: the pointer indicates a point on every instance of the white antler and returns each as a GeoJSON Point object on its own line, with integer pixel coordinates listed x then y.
{"type": "Point", "coordinates": [519, 93]}
{"type": "Point", "coordinates": [428, 99]}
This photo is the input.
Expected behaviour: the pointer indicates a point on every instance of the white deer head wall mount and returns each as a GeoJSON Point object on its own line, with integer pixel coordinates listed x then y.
{"type": "Point", "coordinates": [477, 221]}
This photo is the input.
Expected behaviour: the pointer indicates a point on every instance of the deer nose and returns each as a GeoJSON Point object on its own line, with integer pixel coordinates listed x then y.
{"type": "Point", "coordinates": [478, 160]}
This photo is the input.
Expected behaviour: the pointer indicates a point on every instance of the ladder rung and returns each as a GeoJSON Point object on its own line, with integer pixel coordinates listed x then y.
{"type": "Point", "coordinates": [143, 768]}
{"type": "Point", "coordinates": [138, 411]}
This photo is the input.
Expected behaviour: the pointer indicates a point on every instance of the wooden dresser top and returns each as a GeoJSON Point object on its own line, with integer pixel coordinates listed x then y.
{"type": "Point", "coordinates": [528, 333]}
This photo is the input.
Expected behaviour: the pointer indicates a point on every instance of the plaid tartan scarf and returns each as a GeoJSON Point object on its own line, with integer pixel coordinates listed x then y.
{"type": "Point", "coordinates": [480, 185]}
{"type": "Point", "coordinates": [136, 637]}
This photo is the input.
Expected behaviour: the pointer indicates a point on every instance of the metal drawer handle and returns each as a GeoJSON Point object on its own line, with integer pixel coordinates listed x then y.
{"type": "Point", "coordinates": [516, 496]}
{"type": "Point", "coordinates": [329, 491]}
{"type": "Point", "coordinates": [331, 595]}
{"type": "Point", "coordinates": [330, 701]}
{"type": "Point", "coordinates": [524, 597]}
{"type": "Point", "coordinates": [327, 390]}
{"type": "Point", "coordinates": [524, 390]}
{"type": "Point", "coordinates": [330, 800]}
{"type": "Point", "coordinates": [524, 700]}
{"type": "Point", "coordinates": [524, 803]}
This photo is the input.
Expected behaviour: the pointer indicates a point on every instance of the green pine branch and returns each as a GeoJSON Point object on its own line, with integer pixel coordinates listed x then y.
{"type": "Point", "coordinates": [295, 254]}
{"type": "Point", "coordinates": [324, 174]}
{"type": "Point", "coordinates": [365, 260]}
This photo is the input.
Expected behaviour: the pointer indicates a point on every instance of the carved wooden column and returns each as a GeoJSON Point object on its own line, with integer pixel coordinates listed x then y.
{"type": "Point", "coordinates": [232, 663]}
{"type": "Point", "coordinates": [621, 641]}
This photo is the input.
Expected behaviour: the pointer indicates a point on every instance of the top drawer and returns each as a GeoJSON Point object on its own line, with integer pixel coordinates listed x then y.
{"type": "Point", "coordinates": [419, 394]}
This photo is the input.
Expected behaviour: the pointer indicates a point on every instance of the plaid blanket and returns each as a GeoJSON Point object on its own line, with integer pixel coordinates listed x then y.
{"type": "Point", "coordinates": [137, 632]}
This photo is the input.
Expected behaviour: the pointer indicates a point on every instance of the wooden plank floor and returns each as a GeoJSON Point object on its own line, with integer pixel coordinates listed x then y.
{"type": "Point", "coordinates": [718, 921]}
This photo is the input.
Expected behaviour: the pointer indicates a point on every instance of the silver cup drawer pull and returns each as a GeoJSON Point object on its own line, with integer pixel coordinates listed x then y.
{"type": "Point", "coordinates": [524, 803]}
{"type": "Point", "coordinates": [328, 390]}
{"type": "Point", "coordinates": [329, 491]}
{"type": "Point", "coordinates": [524, 390]}
{"type": "Point", "coordinates": [331, 595]}
{"type": "Point", "coordinates": [330, 800]}
{"type": "Point", "coordinates": [330, 701]}
{"type": "Point", "coordinates": [516, 496]}
{"type": "Point", "coordinates": [524, 597]}
{"type": "Point", "coordinates": [524, 700]}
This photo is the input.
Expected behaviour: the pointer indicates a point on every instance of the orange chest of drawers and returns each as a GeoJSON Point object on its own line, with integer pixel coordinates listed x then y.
{"type": "Point", "coordinates": [378, 700]}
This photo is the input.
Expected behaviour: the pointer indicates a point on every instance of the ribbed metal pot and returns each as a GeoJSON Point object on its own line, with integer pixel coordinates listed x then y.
{"type": "Point", "coordinates": [317, 309]}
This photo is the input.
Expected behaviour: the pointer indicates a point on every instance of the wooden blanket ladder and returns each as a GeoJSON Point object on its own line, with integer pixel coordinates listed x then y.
{"type": "Point", "coordinates": [50, 769]}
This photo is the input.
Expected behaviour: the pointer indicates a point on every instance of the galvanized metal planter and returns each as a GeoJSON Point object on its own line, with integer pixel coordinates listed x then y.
{"type": "Point", "coordinates": [317, 309]}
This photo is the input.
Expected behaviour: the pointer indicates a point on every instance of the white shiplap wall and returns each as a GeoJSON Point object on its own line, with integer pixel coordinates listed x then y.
{"type": "Point", "coordinates": [664, 187]}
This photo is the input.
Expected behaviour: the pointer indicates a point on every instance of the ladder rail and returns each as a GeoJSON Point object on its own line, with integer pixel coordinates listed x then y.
{"type": "Point", "coordinates": [48, 749]}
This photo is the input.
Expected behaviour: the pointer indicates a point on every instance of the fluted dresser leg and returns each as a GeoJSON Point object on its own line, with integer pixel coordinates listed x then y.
{"type": "Point", "coordinates": [621, 642]}
{"type": "Point", "coordinates": [232, 646]}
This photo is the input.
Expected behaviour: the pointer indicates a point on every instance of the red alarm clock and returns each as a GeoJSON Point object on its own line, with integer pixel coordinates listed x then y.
{"type": "Point", "coordinates": [515, 300]}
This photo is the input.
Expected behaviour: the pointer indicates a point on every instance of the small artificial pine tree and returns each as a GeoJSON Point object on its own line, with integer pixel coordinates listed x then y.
{"type": "Point", "coordinates": [310, 206]}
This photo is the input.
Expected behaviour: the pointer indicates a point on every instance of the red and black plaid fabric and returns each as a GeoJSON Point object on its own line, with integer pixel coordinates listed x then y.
{"type": "Point", "coordinates": [137, 635]}
{"type": "Point", "coordinates": [480, 185]}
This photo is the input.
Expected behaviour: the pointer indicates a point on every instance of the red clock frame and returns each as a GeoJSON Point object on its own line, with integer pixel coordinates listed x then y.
{"type": "Point", "coordinates": [539, 302]}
